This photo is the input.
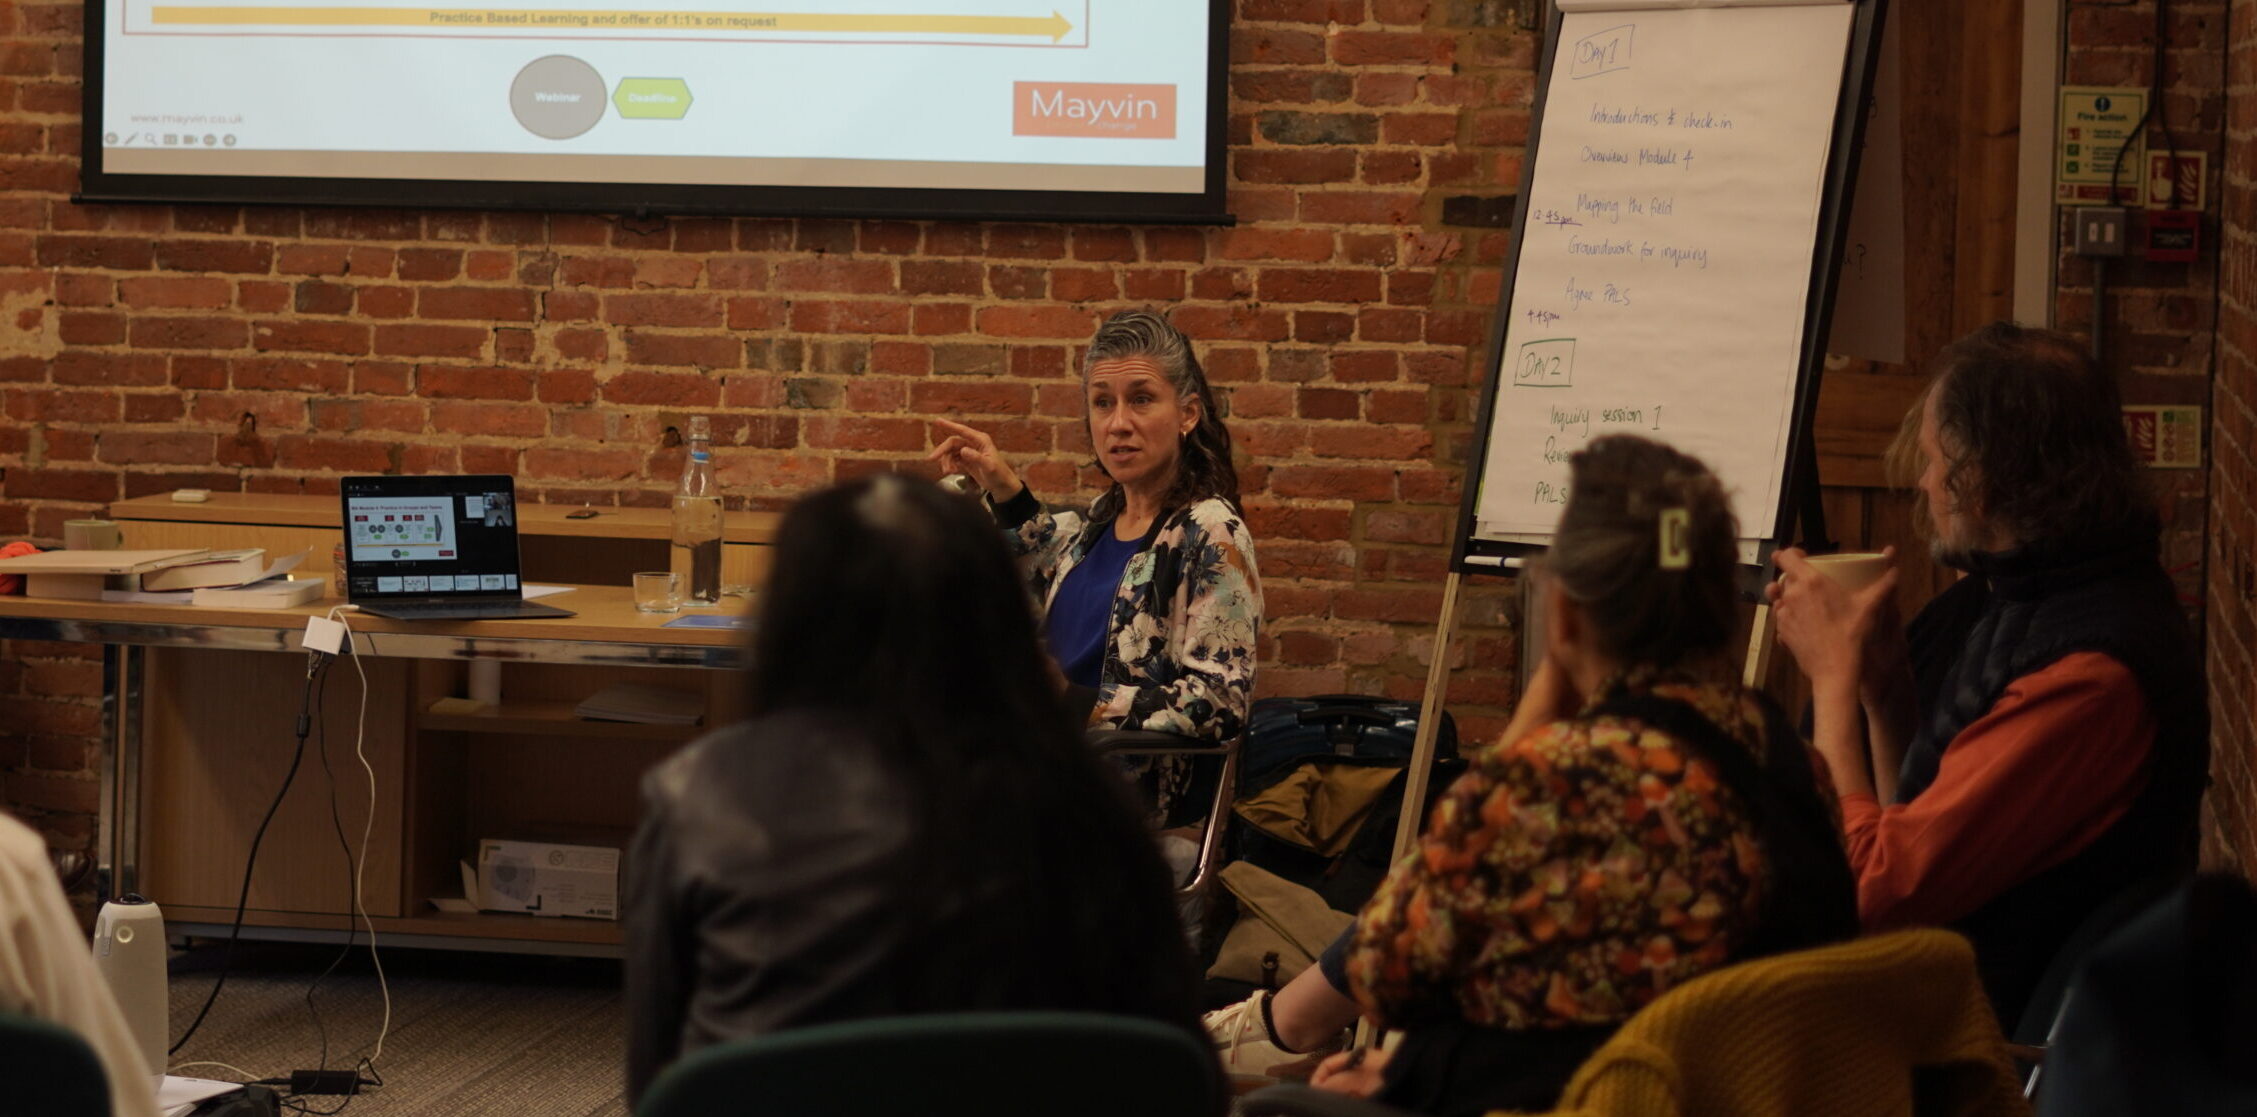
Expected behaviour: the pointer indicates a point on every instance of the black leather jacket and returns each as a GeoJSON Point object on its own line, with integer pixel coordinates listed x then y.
{"type": "Point", "coordinates": [759, 897]}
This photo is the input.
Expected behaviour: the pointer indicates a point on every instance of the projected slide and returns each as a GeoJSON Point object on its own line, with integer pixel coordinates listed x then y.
{"type": "Point", "coordinates": [1078, 95]}
{"type": "Point", "coordinates": [402, 529]}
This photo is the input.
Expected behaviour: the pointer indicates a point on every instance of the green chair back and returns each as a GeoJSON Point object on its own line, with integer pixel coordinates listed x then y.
{"type": "Point", "coordinates": [49, 1070]}
{"type": "Point", "coordinates": [997, 1064]}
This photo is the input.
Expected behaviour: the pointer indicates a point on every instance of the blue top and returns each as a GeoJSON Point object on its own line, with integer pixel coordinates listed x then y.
{"type": "Point", "coordinates": [1082, 612]}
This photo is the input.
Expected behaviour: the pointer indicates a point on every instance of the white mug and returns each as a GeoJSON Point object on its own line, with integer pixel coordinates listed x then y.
{"type": "Point", "coordinates": [1853, 570]}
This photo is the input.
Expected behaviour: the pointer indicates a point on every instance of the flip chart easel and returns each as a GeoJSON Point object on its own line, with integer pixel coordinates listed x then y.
{"type": "Point", "coordinates": [1678, 232]}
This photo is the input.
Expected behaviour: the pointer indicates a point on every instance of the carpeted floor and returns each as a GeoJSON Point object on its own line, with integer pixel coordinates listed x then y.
{"type": "Point", "coordinates": [472, 1034]}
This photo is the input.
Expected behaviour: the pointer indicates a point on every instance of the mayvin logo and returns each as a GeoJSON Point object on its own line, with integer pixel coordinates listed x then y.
{"type": "Point", "coordinates": [1094, 109]}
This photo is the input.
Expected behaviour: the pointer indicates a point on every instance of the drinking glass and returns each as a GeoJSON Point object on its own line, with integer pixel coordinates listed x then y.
{"type": "Point", "coordinates": [658, 591]}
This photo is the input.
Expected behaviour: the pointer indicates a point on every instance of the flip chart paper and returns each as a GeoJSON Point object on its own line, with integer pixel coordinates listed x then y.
{"type": "Point", "coordinates": [1666, 260]}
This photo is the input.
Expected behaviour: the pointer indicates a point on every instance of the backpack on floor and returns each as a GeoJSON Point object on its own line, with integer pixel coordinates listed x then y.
{"type": "Point", "coordinates": [1319, 797]}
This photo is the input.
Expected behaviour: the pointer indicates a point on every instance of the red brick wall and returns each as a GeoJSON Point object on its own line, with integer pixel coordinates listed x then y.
{"type": "Point", "coordinates": [2232, 582]}
{"type": "Point", "coordinates": [2162, 319]}
{"type": "Point", "coordinates": [273, 349]}
{"type": "Point", "coordinates": [2179, 332]}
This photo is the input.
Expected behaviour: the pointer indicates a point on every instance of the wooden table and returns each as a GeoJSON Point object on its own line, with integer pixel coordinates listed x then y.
{"type": "Point", "coordinates": [199, 705]}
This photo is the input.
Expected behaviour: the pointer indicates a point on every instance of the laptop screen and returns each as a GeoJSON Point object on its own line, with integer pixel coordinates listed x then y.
{"type": "Point", "coordinates": [427, 536]}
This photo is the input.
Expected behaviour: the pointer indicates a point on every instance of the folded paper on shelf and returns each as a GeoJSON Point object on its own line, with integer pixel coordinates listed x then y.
{"type": "Point", "coordinates": [544, 878]}
{"type": "Point", "coordinates": [643, 704]}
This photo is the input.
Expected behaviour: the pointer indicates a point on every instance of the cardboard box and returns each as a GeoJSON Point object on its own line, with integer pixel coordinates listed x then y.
{"type": "Point", "coordinates": [545, 878]}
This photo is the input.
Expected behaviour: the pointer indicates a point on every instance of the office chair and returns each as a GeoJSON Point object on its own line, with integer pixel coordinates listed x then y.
{"type": "Point", "coordinates": [2033, 1034]}
{"type": "Point", "coordinates": [50, 1070]}
{"type": "Point", "coordinates": [1891, 1025]}
{"type": "Point", "coordinates": [1148, 742]}
{"type": "Point", "coordinates": [2162, 1014]}
{"type": "Point", "coordinates": [998, 1064]}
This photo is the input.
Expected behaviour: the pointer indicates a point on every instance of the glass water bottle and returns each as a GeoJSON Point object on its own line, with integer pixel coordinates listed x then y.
{"type": "Point", "coordinates": [697, 521]}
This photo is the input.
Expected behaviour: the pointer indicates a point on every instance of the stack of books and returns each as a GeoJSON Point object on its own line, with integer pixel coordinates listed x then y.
{"type": "Point", "coordinates": [187, 576]}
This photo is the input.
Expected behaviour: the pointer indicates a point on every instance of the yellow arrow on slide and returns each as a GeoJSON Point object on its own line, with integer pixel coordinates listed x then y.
{"type": "Point", "coordinates": [1053, 27]}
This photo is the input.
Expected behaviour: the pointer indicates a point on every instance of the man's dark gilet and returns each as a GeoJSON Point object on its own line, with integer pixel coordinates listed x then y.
{"type": "Point", "coordinates": [2016, 614]}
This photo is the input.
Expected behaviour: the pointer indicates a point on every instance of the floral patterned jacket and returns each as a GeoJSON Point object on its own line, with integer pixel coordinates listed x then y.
{"type": "Point", "coordinates": [1179, 651]}
{"type": "Point", "coordinates": [1569, 877]}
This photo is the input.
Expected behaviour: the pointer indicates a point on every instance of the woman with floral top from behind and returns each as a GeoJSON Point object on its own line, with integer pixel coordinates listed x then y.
{"type": "Point", "coordinates": [1644, 820]}
{"type": "Point", "coordinates": [1150, 600]}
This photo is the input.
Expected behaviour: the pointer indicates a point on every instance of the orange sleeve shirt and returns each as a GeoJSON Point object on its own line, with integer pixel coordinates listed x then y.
{"type": "Point", "coordinates": [2054, 763]}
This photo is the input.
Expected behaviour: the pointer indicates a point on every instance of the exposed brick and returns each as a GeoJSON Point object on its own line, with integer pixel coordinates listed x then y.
{"type": "Point", "coordinates": [664, 310]}
{"type": "Point", "coordinates": [289, 374]}
{"type": "Point", "coordinates": [302, 452]}
{"type": "Point", "coordinates": [942, 277]}
{"type": "Point", "coordinates": [486, 382]}
{"type": "Point", "coordinates": [694, 350]}
{"type": "Point", "coordinates": [858, 316]}
{"type": "Point", "coordinates": [956, 397]}
{"type": "Point", "coordinates": [173, 292]}
{"type": "Point", "coordinates": [188, 333]}
{"type": "Point", "coordinates": [51, 405]}
{"type": "Point", "coordinates": [848, 276]}
{"type": "Point", "coordinates": [130, 447]}
{"type": "Point", "coordinates": [61, 250]}
{"type": "Point", "coordinates": [242, 256]}
{"type": "Point", "coordinates": [87, 487]}
{"type": "Point", "coordinates": [1319, 285]}
{"type": "Point", "coordinates": [1324, 482]}
{"type": "Point", "coordinates": [431, 341]}
{"type": "Point", "coordinates": [503, 304]}
{"type": "Point", "coordinates": [1295, 165]}
{"type": "Point", "coordinates": [1318, 128]}
{"type": "Point", "coordinates": [429, 264]}
{"type": "Point", "coordinates": [90, 327]}
{"type": "Point", "coordinates": [1392, 48]}
{"type": "Point", "coordinates": [490, 420]}
{"type": "Point", "coordinates": [865, 434]}
{"type": "Point", "coordinates": [669, 388]}
{"type": "Point", "coordinates": [342, 337]}
{"type": "Point", "coordinates": [1035, 321]}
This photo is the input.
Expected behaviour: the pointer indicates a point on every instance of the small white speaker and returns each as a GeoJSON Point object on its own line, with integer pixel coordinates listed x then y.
{"type": "Point", "coordinates": [129, 952]}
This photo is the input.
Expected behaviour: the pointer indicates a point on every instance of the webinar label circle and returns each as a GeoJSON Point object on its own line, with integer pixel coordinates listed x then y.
{"type": "Point", "coordinates": [557, 97]}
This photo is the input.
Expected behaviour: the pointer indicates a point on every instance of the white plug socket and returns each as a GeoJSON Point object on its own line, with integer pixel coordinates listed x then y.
{"type": "Point", "coordinates": [323, 635]}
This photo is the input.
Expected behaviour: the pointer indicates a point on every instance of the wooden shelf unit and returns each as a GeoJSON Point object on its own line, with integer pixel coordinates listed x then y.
{"type": "Point", "coordinates": [217, 727]}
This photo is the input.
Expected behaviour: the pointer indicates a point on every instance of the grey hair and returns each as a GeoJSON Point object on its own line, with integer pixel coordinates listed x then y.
{"type": "Point", "coordinates": [1205, 468]}
{"type": "Point", "coordinates": [1143, 333]}
{"type": "Point", "coordinates": [1607, 556]}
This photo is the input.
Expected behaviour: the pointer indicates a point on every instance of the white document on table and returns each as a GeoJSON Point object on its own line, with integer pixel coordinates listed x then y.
{"type": "Point", "coordinates": [177, 1095]}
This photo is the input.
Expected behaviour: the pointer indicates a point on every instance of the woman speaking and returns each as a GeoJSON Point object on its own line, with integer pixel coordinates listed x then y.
{"type": "Point", "coordinates": [1150, 598]}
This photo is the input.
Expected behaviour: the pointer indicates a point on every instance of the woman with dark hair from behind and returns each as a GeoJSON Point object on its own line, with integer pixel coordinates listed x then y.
{"type": "Point", "coordinates": [900, 826]}
{"type": "Point", "coordinates": [1644, 819]}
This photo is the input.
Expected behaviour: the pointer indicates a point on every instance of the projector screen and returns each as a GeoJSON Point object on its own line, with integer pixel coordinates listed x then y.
{"type": "Point", "coordinates": [1074, 109]}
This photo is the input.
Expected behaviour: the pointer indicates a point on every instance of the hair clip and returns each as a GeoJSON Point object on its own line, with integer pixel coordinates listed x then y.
{"type": "Point", "coordinates": [1676, 526]}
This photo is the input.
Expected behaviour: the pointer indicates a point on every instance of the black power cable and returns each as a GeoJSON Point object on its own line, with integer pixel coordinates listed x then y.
{"type": "Point", "coordinates": [2116, 175]}
{"type": "Point", "coordinates": [314, 667]}
{"type": "Point", "coordinates": [352, 928]}
{"type": "Point", "coordinates": [337, 825]}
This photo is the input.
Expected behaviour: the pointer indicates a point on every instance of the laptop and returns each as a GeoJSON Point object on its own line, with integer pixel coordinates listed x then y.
{"type": "Point", "coordinates": [435, 548]}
